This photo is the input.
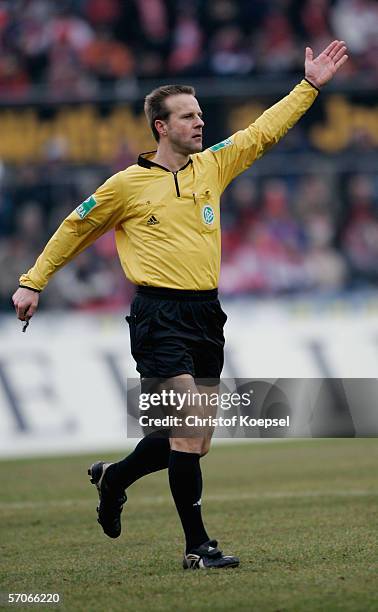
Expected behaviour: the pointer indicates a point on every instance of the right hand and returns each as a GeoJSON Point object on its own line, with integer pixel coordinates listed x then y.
{"type": "Point", "coordinates": [321, 69]}
{"type": "Point", "coordinates": [25, 302]}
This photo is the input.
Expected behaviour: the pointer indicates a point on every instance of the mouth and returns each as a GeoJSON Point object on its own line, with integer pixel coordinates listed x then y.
{"type": "Point", "coordinates": [198, 136]}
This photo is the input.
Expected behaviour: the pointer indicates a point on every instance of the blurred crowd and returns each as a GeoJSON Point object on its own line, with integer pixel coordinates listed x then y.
{"type": "Point", "coordinates": [281, 235]}
{"type": "Point", "coordinates": [80, 46]}
{"type": "Point", "coordinates": [299, 234]}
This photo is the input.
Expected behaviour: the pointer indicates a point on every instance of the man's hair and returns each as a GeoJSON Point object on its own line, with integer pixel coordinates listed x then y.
{"type": "Point", "coordinates": [155, 107]}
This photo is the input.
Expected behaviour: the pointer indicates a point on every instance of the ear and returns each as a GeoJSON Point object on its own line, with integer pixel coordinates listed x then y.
{"type": "Point", "coordinates": [161, 127]}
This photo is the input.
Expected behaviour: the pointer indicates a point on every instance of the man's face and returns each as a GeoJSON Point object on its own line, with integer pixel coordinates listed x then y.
{"type": "Point", "coordinates": [184, 124]}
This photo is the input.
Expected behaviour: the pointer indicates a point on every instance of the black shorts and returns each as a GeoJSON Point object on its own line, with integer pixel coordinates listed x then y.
{"type": "Point", "coordinates": [176, 332]}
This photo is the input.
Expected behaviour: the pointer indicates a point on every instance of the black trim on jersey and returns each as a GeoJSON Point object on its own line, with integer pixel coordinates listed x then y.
{"type": "Point", "coordinates": [31, 288]}
{"type": "Point", "coordinates": [312, 84]}
{"type": "Point", "coordinates": [176, 185]}
{"type": "Point", "coordinates": [148, 163]}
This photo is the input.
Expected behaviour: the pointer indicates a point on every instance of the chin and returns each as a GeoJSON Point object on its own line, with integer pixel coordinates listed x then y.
{"type": "Point", "coordinates": [196, 147]}
{"type": "Point", "coordinates": [190, 148]}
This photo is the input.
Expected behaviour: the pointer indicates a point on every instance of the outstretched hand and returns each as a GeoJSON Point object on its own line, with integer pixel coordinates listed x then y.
{"type": "Point", "coordinates": [321, 69]}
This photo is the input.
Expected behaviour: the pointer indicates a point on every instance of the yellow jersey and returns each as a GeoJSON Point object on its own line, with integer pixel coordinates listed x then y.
{"type": "Point", "coordinates": [167, 224]}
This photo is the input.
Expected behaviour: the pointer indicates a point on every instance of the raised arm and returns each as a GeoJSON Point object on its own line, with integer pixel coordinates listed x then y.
{"type": "Point", "coordinates": [237, 153]}
{"type": "Point", "coordinates": [275, 122]}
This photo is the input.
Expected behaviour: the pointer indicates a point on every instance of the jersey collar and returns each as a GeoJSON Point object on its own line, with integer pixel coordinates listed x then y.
{"type": "Point", "coordinates": [145, 162]}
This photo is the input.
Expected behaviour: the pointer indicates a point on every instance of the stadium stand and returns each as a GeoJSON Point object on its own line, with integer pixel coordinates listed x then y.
{"type": "Point", "coordinates": [287, 228]}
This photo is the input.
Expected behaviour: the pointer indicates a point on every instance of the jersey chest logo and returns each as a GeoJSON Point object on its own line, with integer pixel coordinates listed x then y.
{"type": "Point", "coordinates": [208, 214]}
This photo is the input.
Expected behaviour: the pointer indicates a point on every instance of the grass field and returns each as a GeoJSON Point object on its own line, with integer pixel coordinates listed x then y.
{"type": "Point", "coordinates": [302, 515]}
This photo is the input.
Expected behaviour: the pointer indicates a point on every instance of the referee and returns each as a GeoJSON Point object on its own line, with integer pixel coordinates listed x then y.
{"type": "Point", "coordinates": [166, 215]}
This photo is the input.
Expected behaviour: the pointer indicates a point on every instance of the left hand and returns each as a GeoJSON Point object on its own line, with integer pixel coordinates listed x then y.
{"type": "Point", "coordinates": [322, 69]}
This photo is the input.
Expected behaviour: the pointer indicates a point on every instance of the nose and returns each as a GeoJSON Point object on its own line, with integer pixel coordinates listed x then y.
{"type": "Point", "coordinates": [200, 122]}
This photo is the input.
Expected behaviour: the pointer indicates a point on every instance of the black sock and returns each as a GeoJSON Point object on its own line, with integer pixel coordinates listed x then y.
{"type": "Point", "coordinates": [185, 480]}
{"type": "Point", "coordinates": [150, 455]}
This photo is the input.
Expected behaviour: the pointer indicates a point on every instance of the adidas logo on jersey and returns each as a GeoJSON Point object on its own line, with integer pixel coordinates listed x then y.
{"type": "Point", "coordinates": [152, 220]}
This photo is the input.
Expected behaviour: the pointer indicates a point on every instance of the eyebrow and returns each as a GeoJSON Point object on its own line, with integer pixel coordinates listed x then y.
{"type": "Point", "coordinates": [184, 113]}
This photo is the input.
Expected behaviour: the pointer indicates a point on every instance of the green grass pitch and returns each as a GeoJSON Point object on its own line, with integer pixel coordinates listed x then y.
{"type": "Point", "coordinates": [302, 516]}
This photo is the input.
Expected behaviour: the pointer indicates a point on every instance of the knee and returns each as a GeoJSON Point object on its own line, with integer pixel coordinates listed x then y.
{"type": "Point", "coordinates": [187, 445]}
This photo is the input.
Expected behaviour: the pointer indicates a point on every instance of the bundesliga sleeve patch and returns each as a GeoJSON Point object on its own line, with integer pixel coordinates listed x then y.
{"type": "Point", "coordinates": [221, 145]}
{"type": "Point", "coordinates": [86, 206]}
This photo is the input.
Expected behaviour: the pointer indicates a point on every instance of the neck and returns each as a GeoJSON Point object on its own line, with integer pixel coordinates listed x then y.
{"type": "Point", "coordinates": [172, 160]}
